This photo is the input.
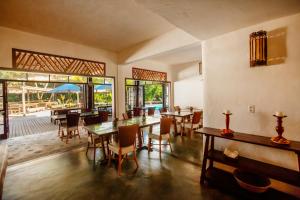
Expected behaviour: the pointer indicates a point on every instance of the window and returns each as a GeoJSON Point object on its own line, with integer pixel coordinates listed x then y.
{"type": "Point", "coordinates": [59, 78]}
{"type": "Point", "coordinates": [9, 75]}
{"type": "Point", "coordinates": [78, 79]}
{"type": "Point", "coordinates": [37, 77]}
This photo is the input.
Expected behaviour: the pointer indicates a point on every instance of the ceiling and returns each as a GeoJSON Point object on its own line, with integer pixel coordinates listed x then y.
{"type": "Point", "coordinates": [107, 24]}
{"type": "Point", "coordinates": [191, 53]}
{"type": "Point", "coordinates": [208, 18]}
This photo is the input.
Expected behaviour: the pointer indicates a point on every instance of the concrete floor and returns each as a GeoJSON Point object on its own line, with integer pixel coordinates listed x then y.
{"type": "Point", "coordinates": [70, 176]}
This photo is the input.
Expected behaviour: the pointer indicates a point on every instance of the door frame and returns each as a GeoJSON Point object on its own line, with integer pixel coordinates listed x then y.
{"type": "Point", "coordinates": [4, 111]}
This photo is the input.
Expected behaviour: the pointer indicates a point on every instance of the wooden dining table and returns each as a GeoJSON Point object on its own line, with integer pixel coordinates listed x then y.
{"type": "Point", "coordinates": [109, 128]}
{"type": "Point", "coordinates": [182, 115]}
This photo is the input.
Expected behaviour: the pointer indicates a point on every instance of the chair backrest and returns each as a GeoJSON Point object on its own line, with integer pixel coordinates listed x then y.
{"type": "Point", "coordinates": [165, 125]}
{"type": "Point", "coordinates": [137, 112]}
{"type": "Point", "coordinates": [176, 108]}
{"type": "Point", "coordinates": [129, 114]}
{"type": "Point", "coordinates": [151, 111]}
{"type": "Point", "coordinates": [125, 116]}
{"type": "Point", "coordinates": [196, 117]}
{"type": "Point", "coordinates": [164, 109]}
{"type": "Point", "coordinates": [89, 120]}
{"type": "Point", "coordinates": [72, 119]}
{"type": "Point", "coordinates": [83, 110]}
{"type": "Point", "coordinates": [127, 135]}
{"type": "Point", "coordinates": [103, 115]}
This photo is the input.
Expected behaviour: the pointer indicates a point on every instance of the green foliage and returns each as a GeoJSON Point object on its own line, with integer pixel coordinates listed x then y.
{"type": "Point", "coordinates": [103, 98]}
{"type": "Point", "coordinates": [153, 92]}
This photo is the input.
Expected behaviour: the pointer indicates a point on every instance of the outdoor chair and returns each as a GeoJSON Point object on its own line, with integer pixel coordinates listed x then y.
{"type": "Point", "coordinates": [94, 141]}
{"type": "Point", "coordinates": [151, 111]}
{"type": "Point", "coordinates": [164, 109]}
{"type": "Point", "coordinates": [162, 134]}
{"type": "Point", "coordinates": [124, 145]}
{"type": "Point", "coordinates": [71, 126]}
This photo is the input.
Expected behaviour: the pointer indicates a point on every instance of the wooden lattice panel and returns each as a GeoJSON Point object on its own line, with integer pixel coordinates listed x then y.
{"type": "Point", "coordinates": [149, 75]}
{"type": "Point", "coordinates": [42, 62]}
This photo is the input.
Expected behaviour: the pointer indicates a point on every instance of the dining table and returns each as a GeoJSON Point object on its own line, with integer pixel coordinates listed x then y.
{"type": "Point", "coordinates": [64, 116]}
{"type": "Point", "coordinates": [182, 115]}
{"type": "Point", "coordinates": [110, 128]}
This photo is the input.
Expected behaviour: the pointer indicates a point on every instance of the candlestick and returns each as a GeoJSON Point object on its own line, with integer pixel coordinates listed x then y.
{"type": "Point", "coordinates": [227, 131]}
{"type": "Point", "coordinates": [279, 129]}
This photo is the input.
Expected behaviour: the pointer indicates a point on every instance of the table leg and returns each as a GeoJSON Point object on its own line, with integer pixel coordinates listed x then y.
{"type": "Point", "coordinates": [103, 147]}
{"type": "Point", "coordinates": [204, 161]}
{"type": "Point", "coordinates": [298, 154]}
{"type": "Point", "coordinates": [212, 144]}
{"type": "Point", "coordinates": [140, 138]}
{"type": "Point", "coordinates": [175, 126]}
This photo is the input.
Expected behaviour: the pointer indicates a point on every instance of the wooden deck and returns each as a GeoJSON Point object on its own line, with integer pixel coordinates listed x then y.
{"type": "Point", "coordinates": [29, 125]}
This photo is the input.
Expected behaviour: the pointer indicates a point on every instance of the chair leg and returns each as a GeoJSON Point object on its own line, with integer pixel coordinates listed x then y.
{"type": "Point", "coordinates": [109, 158]}
{"type": "Point", "coordinates": [135, 159]}
{"type": "Point", "coordinates": [94, 161]}
{"type": "Point", "coordinates": [170, 145]}
{"type": "Point", "coordinates": [119, 164]}
{"type": "Point", "coordinates": [78, 133]}
{"type": "Point", "coordinates": [149, 145]}
{"type": "Point", "coordinates": [87, 149]}
{"type": "Point", "coordinates": [160, 148]}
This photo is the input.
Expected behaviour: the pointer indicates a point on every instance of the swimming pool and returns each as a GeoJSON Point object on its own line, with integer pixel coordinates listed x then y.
{"type": "Point", "coordinates": [156, 106]}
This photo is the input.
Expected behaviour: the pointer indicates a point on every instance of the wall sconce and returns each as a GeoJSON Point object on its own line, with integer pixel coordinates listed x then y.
{"type": "Point", "coordinates": [258, 48]}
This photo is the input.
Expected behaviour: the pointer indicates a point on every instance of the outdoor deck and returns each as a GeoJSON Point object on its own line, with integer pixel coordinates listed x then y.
{"type": "Point", "coordinates": [29, 125]}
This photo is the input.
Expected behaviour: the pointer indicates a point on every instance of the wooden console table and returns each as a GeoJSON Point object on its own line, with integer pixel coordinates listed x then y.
{"type": "Point", "coordinates": [272, 171]}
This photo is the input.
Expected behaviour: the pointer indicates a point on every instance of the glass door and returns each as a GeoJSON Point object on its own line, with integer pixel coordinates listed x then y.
{"type": "Point", "coordinates": [3, 110]}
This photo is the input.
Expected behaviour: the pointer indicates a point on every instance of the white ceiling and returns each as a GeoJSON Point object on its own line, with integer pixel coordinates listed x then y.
{"type": "Point", "coordinates": [191, 53]}
{"type": "Point", "coordinates": [107, 24]}
{"type": "Point", "coordinates": [208, 18]}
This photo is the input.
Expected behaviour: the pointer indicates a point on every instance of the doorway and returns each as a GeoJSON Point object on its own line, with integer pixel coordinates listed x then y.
{"type": "Point", "coordinates": [139, 93]}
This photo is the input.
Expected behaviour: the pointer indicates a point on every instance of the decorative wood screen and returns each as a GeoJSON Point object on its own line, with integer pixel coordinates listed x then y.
{"type": "Point", "coordinates": [149, 75]}
{"type": "Point", "coordinates": [42, 62]}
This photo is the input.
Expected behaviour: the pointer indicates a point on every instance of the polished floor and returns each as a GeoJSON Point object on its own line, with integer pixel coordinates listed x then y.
{"type": "Point", "coordinates": [70, 176]}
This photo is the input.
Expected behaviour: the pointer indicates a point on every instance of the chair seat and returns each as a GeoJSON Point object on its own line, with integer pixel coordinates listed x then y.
{"type": "Point", "coordinates": [188, 125]}
{"type": "Point", "coordinates": [115, 147]}
{"type": "Point", "coordinates": [157, 135]}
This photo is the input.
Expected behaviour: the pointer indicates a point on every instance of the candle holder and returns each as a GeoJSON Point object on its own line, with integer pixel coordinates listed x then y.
{"type": "Point", "coordinates": [227, 131]}
{"type": "Point", "coordinates": [279, 129]}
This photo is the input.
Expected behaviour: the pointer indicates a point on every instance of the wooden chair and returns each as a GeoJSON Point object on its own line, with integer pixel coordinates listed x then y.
{"type": "Point", "coordinates": [151, 111]}
{"type": "Point", "coordinates": [194, 124]}
{"type": "Point", "coordinates": [177, 108]}
{"type": "Point", "coordinates": [71, 126]}
{"type": "Point", "coordinates": [164, 109]}
{"type": "Point", "coordinates": [125, 116]}
{"type": "Point", "coordinates": [137, 112]}
{"type": "Point", "coordinates": [163, 134]}
{"type": "Point", "coordinates": [129, 114]}
{"type": "Point", "coordinates": [95, 142]}
{"type": "Point", "coordinates": [124, 145]}
{"type": "Point", "coordinates": [103, 115]}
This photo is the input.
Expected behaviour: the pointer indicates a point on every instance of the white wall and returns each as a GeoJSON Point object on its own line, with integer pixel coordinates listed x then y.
{"type": "Point", "coordinates": [171, 40]}
{"type": "Point", "coordinates": [125, 71]}
{"type": "Point", "coordinates": [10, 38]}
{"type": "Point", "coordinates": [229, 83]}
{"type": "Point", "coordinates": [188, 85]}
